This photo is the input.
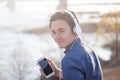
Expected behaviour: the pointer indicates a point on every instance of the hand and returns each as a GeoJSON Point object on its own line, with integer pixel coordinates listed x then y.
{"type": "Point", "coordinates": [58, 72]}
{"type": "Point", "coordinates": [52, 64]}
{"type": "Point", "coordinates": [55, 69]}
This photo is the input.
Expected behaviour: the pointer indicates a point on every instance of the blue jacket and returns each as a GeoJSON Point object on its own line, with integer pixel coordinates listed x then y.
{"type": "Point", "coordinates": [80, 63]}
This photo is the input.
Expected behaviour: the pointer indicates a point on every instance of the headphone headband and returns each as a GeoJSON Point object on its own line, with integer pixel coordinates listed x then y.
{"type": "Point", "coordinates": [76, 29]}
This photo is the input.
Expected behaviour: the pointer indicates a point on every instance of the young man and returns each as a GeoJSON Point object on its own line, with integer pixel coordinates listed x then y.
{"type": "Point", "coordinates": [80, 62]}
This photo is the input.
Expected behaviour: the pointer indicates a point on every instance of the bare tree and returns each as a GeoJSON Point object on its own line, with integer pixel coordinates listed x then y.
{"type": "Point", "coordinates": [1, 75]}
{"type": "Point", "coordinates": [110, 23]}
{"type": "Point", "coordinates": [20, 63]}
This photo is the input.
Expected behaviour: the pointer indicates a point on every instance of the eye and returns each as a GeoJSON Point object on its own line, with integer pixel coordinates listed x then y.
{"type": "Point", "coordinates": [61, 30]}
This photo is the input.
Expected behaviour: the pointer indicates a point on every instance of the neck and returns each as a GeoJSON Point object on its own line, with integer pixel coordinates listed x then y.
{"type": "Point", "coordinates": [74, 39]}
{"type": "Point", "coordinates": [76, 36]}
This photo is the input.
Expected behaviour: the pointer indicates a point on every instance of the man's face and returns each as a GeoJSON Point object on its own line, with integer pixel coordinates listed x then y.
{"type": "Point", "coordinates": [62, 33]}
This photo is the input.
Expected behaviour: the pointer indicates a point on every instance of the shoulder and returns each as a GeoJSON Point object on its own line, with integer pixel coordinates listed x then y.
{"type": "Point", "coordinates": [75, 56]}
{"type": "Point", "coordinates": [79, 51]}
{"type": "Point", "coordinates": [78, 54]}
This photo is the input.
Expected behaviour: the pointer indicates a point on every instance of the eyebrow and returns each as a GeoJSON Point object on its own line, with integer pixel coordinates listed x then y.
{"type": "Point", "coordinates": [58, 29]}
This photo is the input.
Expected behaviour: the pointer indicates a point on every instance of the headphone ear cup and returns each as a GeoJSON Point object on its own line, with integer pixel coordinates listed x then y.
{"type": "Point", "coordinates": [74, 31]}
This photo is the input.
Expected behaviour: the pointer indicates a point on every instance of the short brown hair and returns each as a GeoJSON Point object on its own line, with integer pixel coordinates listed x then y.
{"type": "Point", "coordinates": [62, 15]}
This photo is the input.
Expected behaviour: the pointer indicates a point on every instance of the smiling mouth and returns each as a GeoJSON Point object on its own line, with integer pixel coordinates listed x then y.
{"type": "Point", "coordinates": [59, 42]}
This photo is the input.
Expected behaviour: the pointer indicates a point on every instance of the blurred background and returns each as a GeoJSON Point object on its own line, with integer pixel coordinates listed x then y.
{"type": "Point", "coordinates": [25, 35]}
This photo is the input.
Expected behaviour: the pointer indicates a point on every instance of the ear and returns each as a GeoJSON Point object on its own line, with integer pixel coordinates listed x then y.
{"type": "Point", "coordinates": [74, 31]}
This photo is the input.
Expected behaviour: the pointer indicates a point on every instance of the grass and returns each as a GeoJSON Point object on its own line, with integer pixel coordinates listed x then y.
{"type": "Point", "coordinates": [111, 73]}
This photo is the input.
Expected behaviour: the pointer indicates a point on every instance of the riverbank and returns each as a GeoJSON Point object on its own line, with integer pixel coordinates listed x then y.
{"type": "Point", "coordinates": [111, 73]}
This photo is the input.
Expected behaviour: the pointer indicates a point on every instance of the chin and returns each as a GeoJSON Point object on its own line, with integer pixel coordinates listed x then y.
{"type": "Point", "coordinates": [61, 46]}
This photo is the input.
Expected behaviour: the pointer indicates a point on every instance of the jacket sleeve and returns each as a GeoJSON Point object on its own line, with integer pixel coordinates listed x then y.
{"type": "Point", "coordinates": [72, 69]}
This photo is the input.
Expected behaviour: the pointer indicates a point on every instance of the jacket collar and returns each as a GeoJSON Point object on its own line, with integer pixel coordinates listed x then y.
{"type": "Point", "coordinates": [73, 44]}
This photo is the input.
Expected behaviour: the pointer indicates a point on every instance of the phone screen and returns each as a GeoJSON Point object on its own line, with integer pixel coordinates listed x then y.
{"type": "Point", "coordinates": [45, 66]}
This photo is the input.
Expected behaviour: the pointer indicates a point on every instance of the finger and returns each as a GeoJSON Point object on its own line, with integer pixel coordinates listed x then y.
{"type": "Point", "coordinates": [41, 71]}
{"type": "Point", "coordinates": [52, 64]}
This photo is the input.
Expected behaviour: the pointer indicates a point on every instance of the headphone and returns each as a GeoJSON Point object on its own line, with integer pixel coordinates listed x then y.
{"type": "Point", "coordinates": [76, 29]}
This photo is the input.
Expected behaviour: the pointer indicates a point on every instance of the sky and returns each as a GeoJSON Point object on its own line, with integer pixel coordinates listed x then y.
{"type": "Point", "coordinates": [37, 12]}
{"type": "Point", "coordinates": [26, 13]}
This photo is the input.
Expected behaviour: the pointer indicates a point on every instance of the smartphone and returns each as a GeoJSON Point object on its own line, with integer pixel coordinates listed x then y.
{"type": "Point", "coordinates": [45, 66]}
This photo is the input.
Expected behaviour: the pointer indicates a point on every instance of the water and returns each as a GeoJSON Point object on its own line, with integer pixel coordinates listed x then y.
{"type": "Point", "coordinates": [31, 44]}
{"type": "Point", "coordinates": [43, 45]}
